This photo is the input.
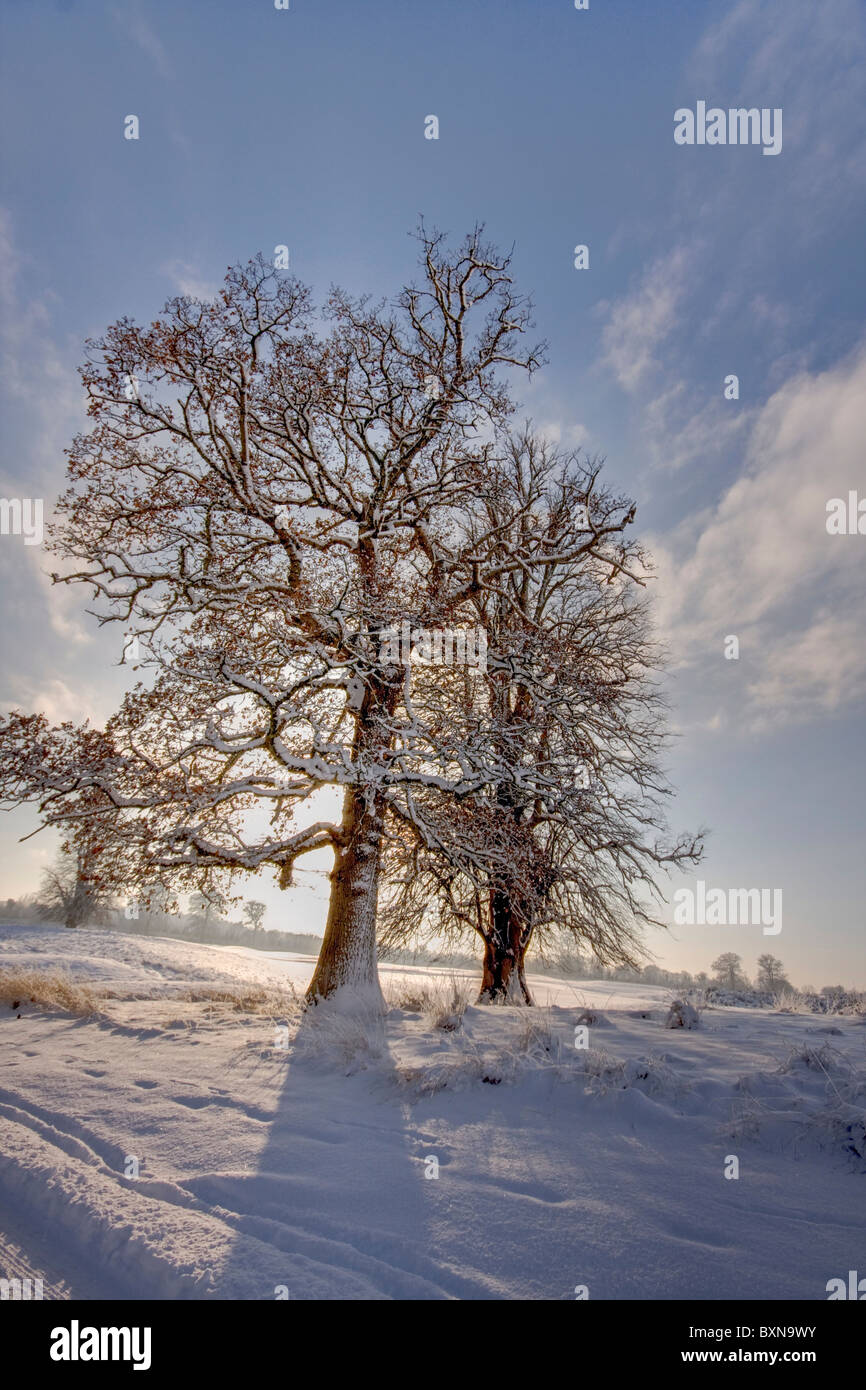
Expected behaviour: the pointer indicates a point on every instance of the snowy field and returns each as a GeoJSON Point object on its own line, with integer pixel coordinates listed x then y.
{"type": "Point", "coordinates": [289, 1154]}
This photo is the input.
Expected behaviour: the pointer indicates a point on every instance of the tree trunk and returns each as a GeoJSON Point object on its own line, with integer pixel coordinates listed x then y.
{"type": "Point", "coordinates": [348, 954]}
{"type": "Point", "coordinates": [521, 975]}
{"type": "Point", "coordinates": [76, 908]}
{"type": "Point", "coordinates": [502, 973]}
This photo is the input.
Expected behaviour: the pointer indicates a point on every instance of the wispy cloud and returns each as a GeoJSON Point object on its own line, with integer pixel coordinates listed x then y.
{"type": "Point", "coordinates": [640, 322]}
{"type": "Point", "coordinates": [43, 403]}
{"type": "Point", "coordinates": [186, 279]}
{"type": "Point", "coordinates": [764, 54]}
{"type": "Point", "coordinates": [760, 564]}
{"type": "Point", "coordinates": [129, 17]}
{"type": "Point", "coordinates": [682, 421]}
{"type": "Point", "coordinates": [34, 373]}
{"type": "Point", "coordinates": [59, 700]}
{"type": "Point", "coordinates": [818, 55]}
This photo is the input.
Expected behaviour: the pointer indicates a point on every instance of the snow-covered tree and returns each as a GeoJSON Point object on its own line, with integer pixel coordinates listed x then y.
{"type": "Point", "coordinates": [273, 499]}
{"type": "Point", "coordinates": [571, 837]}
{"type": "Point", "coordinates": [728, 970]}
{"type": "Point", "coordinates": [771, 974]}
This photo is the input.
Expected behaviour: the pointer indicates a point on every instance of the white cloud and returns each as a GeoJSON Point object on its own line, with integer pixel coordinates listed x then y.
{"type": "Point", "coordinates": [59, 701]}
{"type": "Point", "coordinates": [816, 52]}
{"type": "Point", "coordinates": [761, 565]}
{"type": "Point", "coordinates": [816, 671]}
{"type": "Point", "coordinates": [35, 377]}
{"type": "Point", "coordinates": [186, 279]}
{"type": "Point", "coordinates": [682, 422]}
{"type": "Point", "coordinates": [62, 603]}
{"type": "Point", "coordinates": [575, 436]}
{"type": "Point", "coordinates": [639, 323]}
{"type": "Point", "coordinates": [681, 426]}
{"type": "Point", "coordinates": [42, 624]}
{"type": "Point", "coordinates": [733, 224]}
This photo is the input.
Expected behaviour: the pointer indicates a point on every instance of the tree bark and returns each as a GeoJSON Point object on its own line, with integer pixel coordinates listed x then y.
{"type": "Point", "coordinates": [521, 975]}
{"type": "Point", "coordinates": [502, 972]}
{"type": "Point", "coordinates": [348, 954]}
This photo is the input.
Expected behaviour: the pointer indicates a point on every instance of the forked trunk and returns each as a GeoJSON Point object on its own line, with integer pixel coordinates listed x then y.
{"type": "Point", "coordinates": [348, 954]}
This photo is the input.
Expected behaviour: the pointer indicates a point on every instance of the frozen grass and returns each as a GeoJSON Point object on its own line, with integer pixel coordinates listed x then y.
{"type": "Point", "coordinates": [535, 1043]}
{"type": "Point", "coordinates": [788, 1001]}
{"type": "Point", "coordinates": [467, 1067]}
{"type": "Point", "coordinates": [652, 1075]}
{"type": "Point", "coordinates": [849, 1003]}
{"type": "Point", "coordinates": [260, 1000]}
{"type": "Point", "coordinates": [54, 990]}
{"type": "Point", "coordinates": [595, 1070]}
{"type": "Point", "coordinates": [816, 1098]}
{"type": "Point", "coordinates": [442, 1003]}
{"type": "Point", "coordinates": [682, 1014]}
{"type": "Point", "coordinates": [347, 1031]}
{"type": "Point", "coordinates": [469, 1059]}
{"type": "Point", "coordinates": [826, 1060]}
{"type": "Point", "coordinates": [57, 990]}
{"type": "Point", "coordinates": [535, 1037]}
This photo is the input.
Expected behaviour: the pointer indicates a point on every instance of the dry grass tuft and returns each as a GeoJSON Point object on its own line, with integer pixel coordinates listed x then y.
{"type": "Point", "coordinates": [48, 989]}
{"type": "Point", "coordinates": [442, 1002]}
{"type": "Point", "coordinates": [59, 991]}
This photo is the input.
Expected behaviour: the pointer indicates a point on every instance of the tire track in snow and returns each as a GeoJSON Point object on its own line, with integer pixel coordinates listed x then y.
{"type": "Point", "coordinates": [103, 1212]}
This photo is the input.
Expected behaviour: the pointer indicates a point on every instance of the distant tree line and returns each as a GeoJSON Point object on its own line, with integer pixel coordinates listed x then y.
{"type": "Point", "coordinates": [72, 892]}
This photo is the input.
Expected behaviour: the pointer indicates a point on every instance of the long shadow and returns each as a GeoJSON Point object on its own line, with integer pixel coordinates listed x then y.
{"type": "Point", "coordinates": [336, 1205]}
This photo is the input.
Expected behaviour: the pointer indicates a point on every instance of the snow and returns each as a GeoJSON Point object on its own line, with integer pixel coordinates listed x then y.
{"type": "Point", "coordinates": [287, 1151]}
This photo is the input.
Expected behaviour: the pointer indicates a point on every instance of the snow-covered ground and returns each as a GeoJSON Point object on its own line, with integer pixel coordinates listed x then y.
{"type": "Point", "coordinates": [289, 1154]}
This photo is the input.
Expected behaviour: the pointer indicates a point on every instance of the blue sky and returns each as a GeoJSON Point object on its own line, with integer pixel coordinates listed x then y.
{"type": "Point", "coordinates": [305, 127]}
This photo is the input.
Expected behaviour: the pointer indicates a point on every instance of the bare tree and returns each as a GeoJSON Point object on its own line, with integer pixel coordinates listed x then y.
{"type": "Point", "coordinates": [562, 840]}
{"type": "Point", "coordinates": [771, 974]}
{"type": "Point", "coordinates": [266, 504]}
{"type": "Point", "coordinates": [75, 887]}
{"type": "Point", "coordinates": [261, 512]}
{"type": "Point", "coordinates": [211, 906]}
{"type": "Point", "coordinates": [728, 970]}
{"type": "Point", "coordinates": [254, 913]}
